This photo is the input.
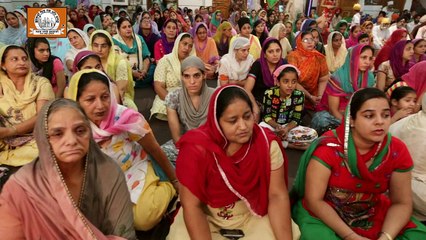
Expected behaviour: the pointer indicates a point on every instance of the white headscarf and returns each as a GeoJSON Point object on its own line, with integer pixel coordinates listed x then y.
{"type": "Point", "coordinates": [232, 68]}
{"type": "Point", "coordinates": [335, 62]}
{"type": "Point", "coordinates": [72, 52]}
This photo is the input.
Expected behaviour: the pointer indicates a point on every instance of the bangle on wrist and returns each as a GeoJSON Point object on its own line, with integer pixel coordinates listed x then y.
{"type": "Point", "coordinates": [348, 235]}
{"type": "Point", "coordinates": [387, 235]}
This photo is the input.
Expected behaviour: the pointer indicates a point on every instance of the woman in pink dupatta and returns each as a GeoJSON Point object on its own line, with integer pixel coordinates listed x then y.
{"type": "Point", "coordinates": [40, 201]}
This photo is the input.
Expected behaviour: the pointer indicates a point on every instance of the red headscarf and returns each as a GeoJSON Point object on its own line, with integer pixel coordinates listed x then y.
{"type": "Point", "coordinates": [416, 78]}
{"type": "Point", "coordinates": [384, 53]}
{"type": "Point", "coordinates": [220, 180]}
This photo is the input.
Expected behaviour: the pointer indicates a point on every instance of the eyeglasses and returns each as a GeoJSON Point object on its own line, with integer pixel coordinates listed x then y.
{"type": "Point", "coordinates": [308, 40]}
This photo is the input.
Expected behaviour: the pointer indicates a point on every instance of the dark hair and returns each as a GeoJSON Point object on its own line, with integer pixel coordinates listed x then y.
{"type": "Point", "coordinates": [362, 36]}
{"type": "Point", "coordinates": [108, 9]}
{"type": "Point", "coordinates": [367, 47]}
{"type": "Point", "coordinates": [383, 13]}
{"type": "Point", "coordinates": [337, 34]}
{"type": "Point", "coordinates": [46, 67]}
{"type": "Point", "coordinates": [122, 20]}
{"type": "Point", "coordinates": [303, 34]}
{"type": "Point", "coordinates": [201, 26]}
{"type": "Point", "coordinates": [11, 47]}
{"type": "Point", "coordinates": [198, 16]}
{"type": "Point", "coordinates": [352, 29]}
{"type": "Point", "coordinates": [60, 103]}
{"type": "Point", "coordinates": [101, 35]}
{"type": "Point", "coordinates": [363, 95]}
{"type": "Point", "coordinates": [227, 96]}
{"type": "Point", "coordinates": [268, 43]}
{"type": "Point", "coordinates": [146, 13]}
{"type": "Point", "coordinates": [186, 35]}
{"type": "Point", "coordinates": [83, 60]}
{"type": "Point", "coordinates": [288, 70]}
{"type": "Point", "coordinates": [401, 92]}
{"type": "Point", "coordinates": [87, 78]}
{"type": "Point", "coordinates": [419, 41]}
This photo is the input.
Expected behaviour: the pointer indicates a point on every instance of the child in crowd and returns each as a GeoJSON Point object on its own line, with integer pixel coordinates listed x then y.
{"type": "Point", "coordinates": [403, 102]}
{"type": "Point", "coordinates": [283, 109]}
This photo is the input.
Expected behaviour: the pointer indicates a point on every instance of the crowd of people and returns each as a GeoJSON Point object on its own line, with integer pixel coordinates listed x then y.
{"type": "Point", "coordinates": [78, 159]}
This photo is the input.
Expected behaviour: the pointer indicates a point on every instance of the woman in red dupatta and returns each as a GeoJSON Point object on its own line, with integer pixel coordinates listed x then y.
{"type": "Point", "coordinates": [386, 50]}
{"type": "Point", "coordinates": [72, 190]}
{"type": "Point", "coordinates": [355, 181]}
{"type": "Point", "coordinates": [313, 67]}
{"type": "Point", "coordinates": [231, 180]}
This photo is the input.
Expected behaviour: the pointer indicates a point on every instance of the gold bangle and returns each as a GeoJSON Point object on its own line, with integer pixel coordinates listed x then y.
{"type": "Point", "coordinates": [387, 235]}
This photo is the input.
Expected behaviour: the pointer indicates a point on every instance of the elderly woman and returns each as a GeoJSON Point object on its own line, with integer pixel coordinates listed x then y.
{"type": "Point", "coordinates": [116, 66]}
{"type": "Point", "coordinates": [167, 74]}
{"type": "Point", "coordinates": [22, 94]}
{"type": "Point", "coordinates": [235, 66]}
{"type": "Point", "coordinates": [133, 47]}
{"type": "Point", "coordinates": [125, 136]}
{"type": "Point", "coordinates": [188, 105]}
{"type": "Point", "coordinates": [71, 184]}
{"type": "Point", "coordinates": [15, 33]}
{"type": "Point", "coordinates": [79, 42]}
{"type": "Point", "coordinates": [245, 31]}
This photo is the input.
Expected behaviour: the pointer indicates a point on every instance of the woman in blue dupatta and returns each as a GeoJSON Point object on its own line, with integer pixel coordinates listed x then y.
{"type": "Point", "coordinates": [355, 181]}
{"type": "Point", "coordinates": [353, 75]}
{"type": "Point", "coordinates": [138, 54]}
{"type": "Point", "coordinates": [15, 33]}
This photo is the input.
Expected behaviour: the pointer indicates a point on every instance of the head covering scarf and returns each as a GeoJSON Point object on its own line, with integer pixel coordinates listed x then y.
{"type": "Point", "coordinates": [221, 43]}
{"type": "Point", "coordinates": [306, 24]}
{"type": "Point", "coordinates": [97, 22]}
{"type": "Point", "coordinates": [173, 57]}
{"type": "Point", "coordinates": [243, 176]}
{"type": "Point", "coordinates": [396, 59]}
{"type": "Point", "coordinates": [422, 57]}
{"type": "Point", "coordinates": [20, 11]}
{"type": "Point", "coordinates": [43, 202]}
{"type": "Point", "coordinates": [213, 21]}
{"type": "Point", "coordinates": [190, 116]}
{"type": "Point", "coordinates": [81, 56]}
{"type": "Point", "coordinates": [87, 28]}
{"type": "Point", "coordinates": [281, 68]}
{"type": "Point", "coordinates": [46, 67]}
{"type": "Point", "coordinates": [415, 78]}
{"type": "Point", "coordinates": [129, 120]}
{"type": "Point", "coordinates": [72, 52]}
{"type": "Point", "coordinates": [242, 22]}
{"type": "Point", "coordinates": [337, 28]}
{"type": "Point", "coordinates": [384, 53]}
{"type": "Point", "coordinates": [335, 61]}
{"type": "Point", "coordinates": [240, 69]}
{"type": "Point", "coordinates": [168, 46]}
{"type": "Point", "coordinates": [11, 35]}
{"type": "Point", "coordinates": [352, 40]}
{"type": "Point", "coordinates": [267, 77]}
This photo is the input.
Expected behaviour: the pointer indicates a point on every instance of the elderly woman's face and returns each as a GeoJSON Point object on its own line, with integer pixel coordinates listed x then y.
{"type": "Point", "coordinates": [193, 80]}
{"type": "Point", "coordinates": [76, 40]}
{"type": "Point", "coordinates": [16, 63]}
{"type": "Point", "coordinates": [241, 54]}
{"type": "Point", "coordinates": [68, 136]}
{"type": "Point", "coordinates": [95, 100]}
{"type": "Point", "coordinates": [185, 47]}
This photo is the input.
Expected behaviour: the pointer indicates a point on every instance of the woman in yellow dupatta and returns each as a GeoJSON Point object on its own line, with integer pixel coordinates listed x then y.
{"type": "Point", "coordinates": [22, 94]}
{"type": "Point", "coordinates": [117, 67]}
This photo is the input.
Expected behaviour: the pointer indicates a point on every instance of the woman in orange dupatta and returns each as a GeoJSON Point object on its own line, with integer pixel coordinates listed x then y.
{"type": "Point", "coordinates": [313, 67]}
{"type": "Point", "coordinates": [206, 49]}
{"type": "Point", "coordinates": [72, 190]}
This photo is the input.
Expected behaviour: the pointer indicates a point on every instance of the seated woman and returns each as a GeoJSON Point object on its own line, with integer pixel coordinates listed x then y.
{"type": "Point", "coordinates": [89, 29]}
{"type": "Point", "coordinates": [149, 33]}
{"type": "Point", "coordinates": [235, 65]}
{"type": "Point", "coordinates": [22, 94]}
{"type": "Point", "coordinates": [79, 41]}
{"type": "Point", "coordinates": [419, 52]}
{"type": "Point", "coordinates": [166, 44]}
{"type": "Point", "coordinates": [418, 84]}
{"type": "Point", "coordinates": [279, 32]}
{"type": "Point", "coordinates": [384, 53]}
{"type": "Point", "coordinates": [313, 68]}
{"type": "Point", "coordinates": [260, 31]}
{"type": "Point", "coordinates": [116, 66]}
{"type": "Point", "coordinates": [239, 179]}
{"type": "Point", "coordinates": [342, 27]}
{"type": "Point", "coordinates": [412, 131]}
{"type": "Point", "coordinates": [134, 49]}
{"type": "Point", "coordinates": [396, 66]}
{"type": "Point", "coordinates": [245, 31]}
{"type": "Point", "coordinates": [283, 108]}
{"type": "Point", "coordinates": [205, 48]}
{"type": "Point", "coordinates": [403, 102]}
{"type": "Point", "coordinates": [44, 64]}
{"type": "Point", "coordinates": [335, 51]}
{"type": "Point", "coordinates": [352, 76]}
{"type": "Point", "coordinates": [222, 37]}
{"type": "Point", "coordinates": [71, 184]}
{"type": "Point", "coordinates": [215, 21]}
{"type": "Point", "coordinates": [167, 74]}
{"type": "Point", "coordinates": [187, 106]}
{"type": "Point", "coordinates": [319, 45]}
{"type": "Point", "coordinates": [261, 76]}
{"type": "Point", "coordinates": [353, 34]}
{"type": "Point", "coordinates": [354, 183]}
{"type": "Point", "coordinates": [124, 135]}
{"type": "Point", "coordinates": [15, 33]}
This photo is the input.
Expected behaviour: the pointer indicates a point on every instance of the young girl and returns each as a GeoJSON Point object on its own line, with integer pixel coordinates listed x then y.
{"type": "Point", "coordinates": [403, 102]}
{"type": "Point", "coordinates": [283, 107]}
